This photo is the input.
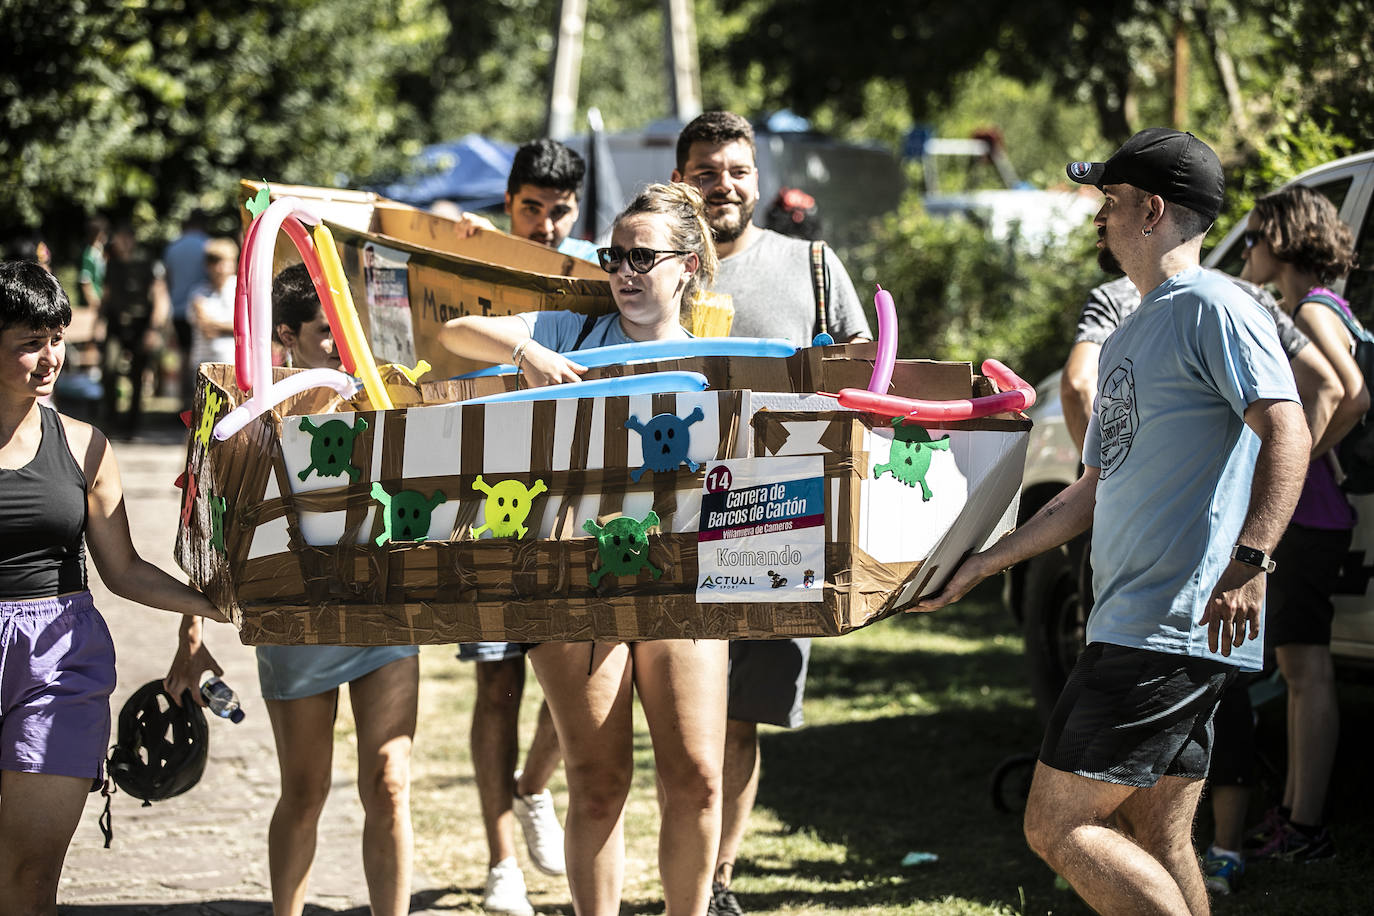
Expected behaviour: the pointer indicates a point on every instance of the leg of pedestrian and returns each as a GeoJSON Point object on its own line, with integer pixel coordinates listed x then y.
{"type": "Point", "coordinates": [534, 807]}
{"type": "Point", "coordinates": [681, 685]}
{"type": "Point", "coordinates": [38, 815]}
{"type": "Point", "coordinates": [495, 747]}
{"type": "Point", "coordinates": [304, 731]}
{"type": "Point", "coordinates": [384, 710]}
{"type": "Point", "coordinates": [1070, 824]}
{"type": "Point", "coordinates": [594, 717]}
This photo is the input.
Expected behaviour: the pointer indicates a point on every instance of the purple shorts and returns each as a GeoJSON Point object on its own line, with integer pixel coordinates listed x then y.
{"type": "Point", "coordinates": [57, 671]}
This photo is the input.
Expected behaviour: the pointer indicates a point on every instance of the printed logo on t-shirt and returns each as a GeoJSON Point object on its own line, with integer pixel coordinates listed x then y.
{"type": "Point", "coordinates": [1117, 416]}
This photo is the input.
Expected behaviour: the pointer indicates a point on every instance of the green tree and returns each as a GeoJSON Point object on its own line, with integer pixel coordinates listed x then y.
{"type": "Point", "coordinates": [157, 106]}
{"type": "Point", "coordinates": [962, 295]}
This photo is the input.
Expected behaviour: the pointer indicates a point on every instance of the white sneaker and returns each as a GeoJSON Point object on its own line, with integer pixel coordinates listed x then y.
{"type": "Point", "coordinates": [506, 890]}
{"type": "Point", "coordinates": [543, 833]}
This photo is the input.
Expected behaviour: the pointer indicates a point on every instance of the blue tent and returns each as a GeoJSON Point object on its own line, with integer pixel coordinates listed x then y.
{"type": "Point", "coordinates": [471, 172]}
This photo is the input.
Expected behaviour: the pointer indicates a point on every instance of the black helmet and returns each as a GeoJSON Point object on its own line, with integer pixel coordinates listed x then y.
{"type": "Point", "coordinates": [161, 748]}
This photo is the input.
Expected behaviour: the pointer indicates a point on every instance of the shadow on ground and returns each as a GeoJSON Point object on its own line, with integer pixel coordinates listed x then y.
{"type": "Point", "coordinates": [420, 903]}
{"type": "Point", "coordinates": [922, 782]}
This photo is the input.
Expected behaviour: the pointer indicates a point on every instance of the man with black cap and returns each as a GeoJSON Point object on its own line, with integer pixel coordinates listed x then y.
{"type": "Point", "coordinates": [1194, 460]}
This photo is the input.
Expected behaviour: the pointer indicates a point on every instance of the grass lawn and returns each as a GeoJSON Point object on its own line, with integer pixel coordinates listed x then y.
{"type": "Point", "coordinates": [906, 722]}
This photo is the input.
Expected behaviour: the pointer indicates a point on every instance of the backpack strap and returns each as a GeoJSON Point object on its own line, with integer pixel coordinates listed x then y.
{"type": "Point", "coordinates": [820, 285]}
{"type": "Point", "coordinates": [1357, 331]}
{"type": "Point", "coordinates": [587, 326]}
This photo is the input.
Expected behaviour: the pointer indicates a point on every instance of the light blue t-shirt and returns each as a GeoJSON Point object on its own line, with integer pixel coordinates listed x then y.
{"type": "Point", "coordinates": [578, 248]}
{"type": "Point", "coordinates": [185, 263]}
{"type": "Point", "coordinates": [1176, 459]}
{"type": "Point", "coordinates": [559, 330]}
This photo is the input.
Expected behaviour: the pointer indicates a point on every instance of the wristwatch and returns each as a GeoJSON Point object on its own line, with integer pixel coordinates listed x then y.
{"type": "Point", "coordinates": [1250, 556]}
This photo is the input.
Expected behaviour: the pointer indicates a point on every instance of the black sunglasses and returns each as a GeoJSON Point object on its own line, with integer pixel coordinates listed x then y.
{"type": "Point", "coordinates": [642, 260]}
{"type": "Point", "coordinates": [1252, 236]}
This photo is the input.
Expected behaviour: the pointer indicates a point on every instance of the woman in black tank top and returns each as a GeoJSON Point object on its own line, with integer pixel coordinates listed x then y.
{"type": "Point", "coordinates": [60, 484]}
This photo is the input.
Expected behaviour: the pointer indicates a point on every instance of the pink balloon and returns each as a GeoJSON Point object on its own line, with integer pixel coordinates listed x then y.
{"type": "Point", "coordinates": [243, 326]}
{"type": "Point", "coordinates": [256, 330]}
{"type": "Point", "coordinates": [306, 245]}
{"type": "Point", "coordinates": [1016, 396]}
{"type": "Point", "coordinates": [887, 342]}
{"type": "Point", "coordinates": [294, 384]}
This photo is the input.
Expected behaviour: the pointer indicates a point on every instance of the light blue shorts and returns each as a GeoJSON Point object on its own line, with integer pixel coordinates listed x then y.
{"type": "Point", "coordinates": [492, 651]}
{"type": "Point", "coordinates": [293, 672]}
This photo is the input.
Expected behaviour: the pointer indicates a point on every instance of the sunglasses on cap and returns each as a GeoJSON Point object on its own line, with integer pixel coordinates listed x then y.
{"type": "Point", "coordinates": [642, 260]}
{"type": "Point", "coordinates": [1252, 236]}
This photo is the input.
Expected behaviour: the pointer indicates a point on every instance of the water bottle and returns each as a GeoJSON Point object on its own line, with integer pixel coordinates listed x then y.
{"type": "Point", "coordinates": [222, 699]}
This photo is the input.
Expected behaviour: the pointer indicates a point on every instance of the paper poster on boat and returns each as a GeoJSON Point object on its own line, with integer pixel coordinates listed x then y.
{"type": "Point", "coordinates": [762, 531]}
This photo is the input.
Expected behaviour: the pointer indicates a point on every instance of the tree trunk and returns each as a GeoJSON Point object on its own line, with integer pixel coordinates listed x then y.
{"type": "Point", "coordinates": [1215, 36]}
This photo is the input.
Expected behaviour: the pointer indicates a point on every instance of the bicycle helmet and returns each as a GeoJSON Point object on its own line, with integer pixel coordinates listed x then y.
{"type": "Point", "coordinates": [161, 747]}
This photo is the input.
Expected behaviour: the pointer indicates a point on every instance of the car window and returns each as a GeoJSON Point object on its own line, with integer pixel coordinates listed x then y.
{"type": "Point", "coordinates": [1359, 286]}
{"type": "Point", "coordinates": [1335, 191]}
{"type": "Point", "coordinates": [1231, 260]}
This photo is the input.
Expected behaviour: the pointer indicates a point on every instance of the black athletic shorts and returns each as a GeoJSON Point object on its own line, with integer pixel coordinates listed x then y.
{"type": "Point", "coordinates": [1129, 716]}
{"type": "Point", "coordinates": [768, 680]}
{"type": "Point", "coordinates": [1299, 609]}
{"type": "Point", "coordinates": [1233, 736]}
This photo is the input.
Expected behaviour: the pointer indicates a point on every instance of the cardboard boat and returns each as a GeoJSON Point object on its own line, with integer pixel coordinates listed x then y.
{"type": "Point", "coordinates": [770, 513]}
{"type": "Point", "coordinates": [752, 509]}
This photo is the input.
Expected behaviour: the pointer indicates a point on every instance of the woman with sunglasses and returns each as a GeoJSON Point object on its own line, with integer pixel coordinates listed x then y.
{"type": "Point", "coordinates": [1296, 241]}
{"type": "Point", "coordinates": [661, 253]}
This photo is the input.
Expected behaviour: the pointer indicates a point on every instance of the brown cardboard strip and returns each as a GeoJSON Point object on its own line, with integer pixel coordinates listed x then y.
{"type": "Point", "coordinates": [643, 608]}
{"type": "Point", "coordinates": [532, 590]}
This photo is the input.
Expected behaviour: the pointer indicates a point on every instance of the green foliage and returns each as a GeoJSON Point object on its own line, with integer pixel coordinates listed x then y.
{"type": "Point", "coordinates": [962, 295]}
{"type": "Point", "coordinates": [492, 77]}
{"type": "Point", "coordinates": [1329, 48]}
{"type": "Point", "coordinates": [1295, 145]}
{"type": "Point", "coordinates": [155, 107]}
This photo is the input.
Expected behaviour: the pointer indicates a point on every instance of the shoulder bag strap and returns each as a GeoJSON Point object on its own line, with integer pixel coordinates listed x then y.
{"type": "Point", "coordinates": [587, 326]}
{"type": "Point", "coordinates": [1352, 325]}
{"type": "Point", "coordinates": [820, 285]}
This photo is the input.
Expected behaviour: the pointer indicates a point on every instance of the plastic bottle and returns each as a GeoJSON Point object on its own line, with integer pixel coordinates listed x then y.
{"type": "Point", "coordinates": [222, 699]}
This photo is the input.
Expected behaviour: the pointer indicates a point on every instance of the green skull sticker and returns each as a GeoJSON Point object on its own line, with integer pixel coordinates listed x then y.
{"type": "Point", "coordinates": [909, 459]}
{"type": "Point", "coordinates": [507, 506]}
{"type": "Point", "coordinates": [623, 546]}
{"type": "Point", "coordinates": [217, 507]}
{"type": "Point", "coordinates": [405, 516]}
{"type": "Point", "coordinates": [331, 447]}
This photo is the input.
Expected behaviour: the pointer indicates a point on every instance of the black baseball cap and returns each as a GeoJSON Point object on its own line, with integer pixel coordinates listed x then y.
{"type": "Point", "coordinates": [1175, 165]}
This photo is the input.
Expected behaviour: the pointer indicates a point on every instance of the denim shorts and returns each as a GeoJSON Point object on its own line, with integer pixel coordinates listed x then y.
{"type": "Point", "coordinates": [296, 672]}
{"type": "Point", "coordinates": [57, 671]}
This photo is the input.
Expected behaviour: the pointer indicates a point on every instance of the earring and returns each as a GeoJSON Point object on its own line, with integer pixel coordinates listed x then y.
{"type": "Point", "coordinates": [1146, 231]}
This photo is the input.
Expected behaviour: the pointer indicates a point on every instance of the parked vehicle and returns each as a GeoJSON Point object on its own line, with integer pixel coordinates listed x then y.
{"type": "Point", "coordinates": [1051, 594]}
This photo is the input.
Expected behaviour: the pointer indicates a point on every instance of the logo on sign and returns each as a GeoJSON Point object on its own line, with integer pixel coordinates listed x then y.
{"type": "Point", "coordinates": [727, 583]}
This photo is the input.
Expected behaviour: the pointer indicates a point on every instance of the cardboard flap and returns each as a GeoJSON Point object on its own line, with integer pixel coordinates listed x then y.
{"type": "Point", "coordinates": [974, 526]}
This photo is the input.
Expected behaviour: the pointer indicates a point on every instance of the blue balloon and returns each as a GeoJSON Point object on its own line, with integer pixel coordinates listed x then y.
{"type": "Point", "coordinates": [647, 383]}
{"type": "Point", "coordinates": [648, 350]}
